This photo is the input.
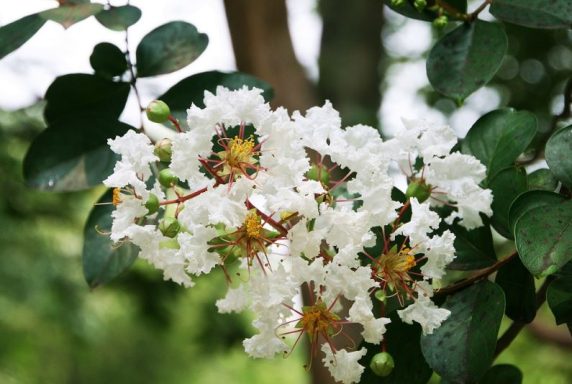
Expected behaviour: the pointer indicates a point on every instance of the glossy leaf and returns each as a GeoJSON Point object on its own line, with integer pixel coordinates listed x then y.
{"type": "Point", "coordinates": [529, 200]}
{"type": "Point", "coordinates": [461, 350]}
{"type": "Point", "coordinates": [503, 374]}
{"type": "Point", "coordinates": [119, 18]}
{"type": "Point", "coordinates": [15, 34]}
{"type": "Point", "coordinates": [534, 13]}
{"type": "Point", "coordinates": [558, 150]}
{"type": "Point", "coordinates": [506, 186]}
{"type": "Point", "coordinates": [473, 249]}
{"type": "Point", "coordinates": [466, 58]}
{"type": "Point", "coordinates": [520, 294]}
{"type": "Point", "coordinates": [402, 342]}
{"type": "Point", "coordinates": [68, 15]}
{"type": "Point", "coordinates": [72, 155]}
{"type": "Point", "coordinates": [168, 48]}
{"type": "Point", "coordinates": [102, 260]}
{"type": "Point", "coordinates": [544, 238]}
{"type": "Point", "coordinates": [85, 95]}
{"type": "Point", "coordinates": [191, 90]}
{"type": "Point", "coordinates": [542, 179]}
{"type": "Point", "coordinates": [108, 60]}
{"type": "Point", "coordinates": [499, 137]}
{"type": "Point", "coordinates": [407, 9]}
{"type": "Point", "coordinates": [559, 298]}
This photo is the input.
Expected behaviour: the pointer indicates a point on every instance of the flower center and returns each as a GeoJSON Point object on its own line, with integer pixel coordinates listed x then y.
{"type": "Point", "coordinates": [253, 225]}
{"type": "Point", "coordinates": [116, 199]}
{"type": "Point", "coordinates": [241, 151]}
{"type": "Point", "coordinates": [319, 320]}
{"type": "Point", "coordinates": [394, 265]}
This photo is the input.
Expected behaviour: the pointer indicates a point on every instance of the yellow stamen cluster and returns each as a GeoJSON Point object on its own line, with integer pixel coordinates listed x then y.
{"type": "Point", "coordinates": [318, 320]}
{"type": "Point", "coordinates": [116, 199]}
{"type": "Point", "coordinates": [394, 265]}
{"type": "Point", "coordinates": [253, 225]}
{"type": "Point", "coordinates": [241, 150]}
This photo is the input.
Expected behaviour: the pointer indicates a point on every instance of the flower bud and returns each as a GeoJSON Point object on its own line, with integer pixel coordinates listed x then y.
{"type": "Point", "coordinates": [157, 111]}
{"type": "Point", "coordinates": [152, 204]}
{"type": "Point", "coordinates": [420, 5]}
{"type": "Point", "coordinates": [167, 178]}
{"type": "Point", "coordinates": [397, 3]}
{"type": "Point", "coordinates": [380, 295]}
{"type": "Point", "coordinates": [441, 21]}
{"type": "Point", "coordinates": [382, 364]}
{"type": "Point", "coordinates": [163, 150]}
{"type": "Point", "coordinates": [169, 227]}
{"type": "Point", "coordinates": [319, 174]}
{"type": "Point", "coordinates": [418, 189]}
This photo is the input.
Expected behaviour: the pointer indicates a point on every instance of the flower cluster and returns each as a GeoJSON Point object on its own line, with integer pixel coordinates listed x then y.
{"type": "Point", "coordinates": [282, 203]}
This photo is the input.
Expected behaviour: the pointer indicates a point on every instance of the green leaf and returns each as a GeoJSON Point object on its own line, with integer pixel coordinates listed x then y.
{"type": "Point", "coordinates": [72, 155]}
{"type": "Point", "coordinates": [529, 200]}
{"type": "Point", "coordinates": [506, 186]}
{"type": "Point", "coordinates": [15, 34]}
{"type": "Point", "coordinates": [466, 58]}
{"type": "Point", "coordinates": [542, 179]}
{"type": "Point", "coordinates": [544, 238]}
{"type": "Point", "coordinates": [107, 60]}
{"type": "Point", "coordinates": [559, 298]}
{"type": "Point", "coordinates": [402, 342]}
{"type": "Point", "coordinates": [461, 350]}
{"type": "Point", "coordinates": [85, 95]}
{"type": "Point", "coordinates": [558, 150]}
{"type": "Point", "coordinates": [191, 90]}
{"type": "Point", "coordinates": [474, 249]}
{"type": "Point", "coordinates": [518, 286]}
{"type": "Point", "coordinates": [119, 18]}
{"type": "Point", "coordinates": [407, 9]}
{"type": "Point", "coordinates": [68, 15]}
{"type": "Point", "coordinates": [499, 137]}
{"type": "Point", "coordinates": [503, 374]}
{"type": "Point", "coordinates": [168, 48]}
{"type": "Point", "coordinates": [102, 260]}
{"type": "Point", "coordinates": [534, 13]}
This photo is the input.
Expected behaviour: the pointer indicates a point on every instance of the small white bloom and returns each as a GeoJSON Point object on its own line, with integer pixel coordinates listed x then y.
{"type": "Point", "coordinates": [361, 312]}
{"type": "Point", "coordinates": [424, 311]}
{"type": "Point", "coordinates": [423, 221]}
{"type": "Point", "coordinates": [439, 251]}
{"type": "Point", "coordinates": [124, 216]}
{"type": "Point", "coordinates": [343, 365]}
{"type": "Point", "coordinates": [194, 248]}
{"type": "Point", "coordinates": [236, 300]}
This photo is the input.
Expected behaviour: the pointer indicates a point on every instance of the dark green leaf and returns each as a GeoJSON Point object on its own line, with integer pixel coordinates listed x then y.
{"type": "Point", "coordinates": [544, 238]}
{"type": "Point", "coordinates": [466, 58]}
{"type": "Point", "coordinates": [402, 342]}
{"type": "Point", "coordinates": [168, 48]}
{"type": "Point", "coordinates": [15, 34]}
{"type": "Point", "coordinates": [529, 200]}
{"type": "Point", "coordinates": [534, 13]}
{"type": "Point", "coordinates": [85, 95]}
{"type": "Point", "coordinates": [119, 18]}
{"type": "Point", "coordinates": [68, 15]}
{"type": "Point", "coordinates": [518, 286]}
{"type": "Point", "coordinates": [191, 90]}
{"type": "Point", "coordinates": [499, 137]}
{"type": "Point", "coordinates": [558, 154]}
{"type": "Point", "coordinates": [102, 260]}
{"type": "Point", "coordinates": [408, 9]}
{"type": "Point", "coordinates": [503, 374]}
{"type": "Point", "coordinates": [107, 60]}
{"type": "Point", "coordinates": [559, 298]}
{"type": "Point", "coordinates": [474, 249]}
{"type": "Point", "coordinates": [506, 186]}
{"type": "Point", "coordinates": [72, 155]}
{"type": "Point", "coordinates": [542, 179]}
{"type": "Point", "coordinates": [461, 350]}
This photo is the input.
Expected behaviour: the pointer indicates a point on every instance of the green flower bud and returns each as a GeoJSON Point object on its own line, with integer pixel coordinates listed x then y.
{"type": "Point", "coordinates": [163, 150]}
{"type": "Point", "coordinates": [382, 364]}
{"type": "Point", "coordinates": [418, 189]}
{"type": "Point", "coordinates": [420, 5]}
{"type": "Point", "coordinates": [441, 21]}
{"type": "Point", "coordinates": [167, 178]}
{"type": "Point", "coordinates": [319, 174]}
{"type": "Point", "coordinates": [380, 295]}
{"type": "Point", "coordinates": [169, 227]}
{"type": "Point", "coordinates": [157, 111]}
{"type": "Point", "coordinates": [397, 3]}
{"type": "Point", "coordinates": [152, 204]}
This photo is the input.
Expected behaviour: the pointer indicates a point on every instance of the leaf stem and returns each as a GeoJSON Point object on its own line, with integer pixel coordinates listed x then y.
{"type": "Point", "coordinates": [473, 15]}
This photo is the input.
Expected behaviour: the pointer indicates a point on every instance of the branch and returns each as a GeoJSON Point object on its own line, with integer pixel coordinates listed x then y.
{"type": "Point", "coordinates": [133, 80]}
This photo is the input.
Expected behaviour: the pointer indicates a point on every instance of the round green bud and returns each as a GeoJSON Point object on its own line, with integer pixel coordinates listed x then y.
{"type": "Point", "coordinates": [420, 5]}
{"type": "Point", "coordinates": [157, 111]}
{"type": "Point", "coordinates": [397, 3]}
{"type": "Point", "coordinates": [164, 150]}
{"type": "Point", "coordinates": [167, 178]}
{"type": "Point", "coordinates": [382, 364]}
{"type": "Point", "coordinates": [418, 189]}
{"type": "Point", "coordinates": [380, 295]}
{"type": "Point", "coordinates": [319, 174]}
{"type": "Point", "coordinates": [152, 204]}
{"type": "Point", "coordinates": [441, 21]}
{"type": "Point", "coordinates": [169, 227]}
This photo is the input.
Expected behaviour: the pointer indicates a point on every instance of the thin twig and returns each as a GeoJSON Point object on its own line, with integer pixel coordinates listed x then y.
{"type": "Point", "coordinates": [473, 15]}
{"type": "Point", "coordinates": [133, 80]}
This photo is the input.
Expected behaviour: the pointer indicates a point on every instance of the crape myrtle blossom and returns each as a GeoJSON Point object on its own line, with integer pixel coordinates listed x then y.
{"type": "Point", "coordinates": [281, 203]}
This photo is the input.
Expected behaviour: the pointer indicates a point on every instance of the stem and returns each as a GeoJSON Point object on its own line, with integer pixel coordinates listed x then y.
{"type": "Point", "coordinates": [479, 276]}
{"type": "Point", "coordinates": [182, 199]}
{"type": "Point", "coordinates": [510, 334]}
{"type": "Point", "coordinates": [175, 123]}
{"type": "Point", "coordinates": [133, 80]}
{"type": "Point", "coordinates": [473, 16]}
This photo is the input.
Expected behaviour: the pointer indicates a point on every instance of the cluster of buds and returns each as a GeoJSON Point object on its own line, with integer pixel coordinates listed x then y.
{"type": "Point", "coordinates": [278, 202]}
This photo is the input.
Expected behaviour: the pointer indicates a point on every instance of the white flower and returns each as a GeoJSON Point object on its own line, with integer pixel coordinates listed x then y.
{"type": "Point", "coordinates": [236, 300]}
{"type": "Point", "coordinates": [348, 282]}
{"type": "Point", "coordinates": [194, 248]}
{"type": "Point", "coordinates": [343, 365]}
{"type": "Point", "coordinates": [361, 312]}
{"type": "Point", "coordinates": [423, 221]}
{"type": "Point", "coordinates": [424, 311]}
{"type": "Point", "coordinates": [318, 126]}
{"type": "Point", "coordinates": [304, 242]}
{"type": "Point", "coordinates": [439, 251]}
{"type": "Point", "coordinates": [265, 344]}
{"type": "Point", "coordinates": [124, 216]}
